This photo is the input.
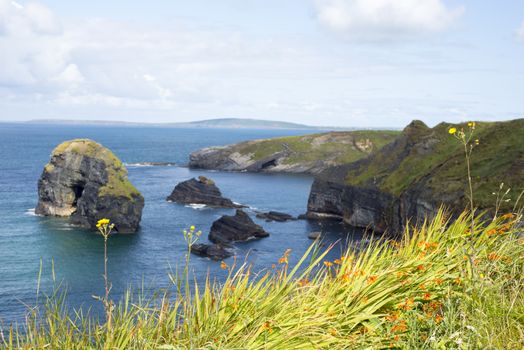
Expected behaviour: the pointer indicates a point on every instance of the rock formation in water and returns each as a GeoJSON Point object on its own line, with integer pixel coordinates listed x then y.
{"type": "Point", "coordinates": [409, 179]}
{"type": "Point", "coordinates": [275, 216]}
{"type": "Point", "coordinates": [86, 182]}
{"type": "Point", "coordinates": [236, 228]}
{"type": "Point", "coordinates": [213, 251]}
{"type": "Point", "coordinates": [200, 191]}
{"type": "Point", "coordinates": [309, 154]}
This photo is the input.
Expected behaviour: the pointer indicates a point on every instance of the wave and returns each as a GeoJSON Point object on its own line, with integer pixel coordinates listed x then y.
{"type": "Point", "coordinates": [149, 164]}
{"type": "Point", "coordinates": [196, 206]}
{"type": "Point", "coordinates": [31, 212]}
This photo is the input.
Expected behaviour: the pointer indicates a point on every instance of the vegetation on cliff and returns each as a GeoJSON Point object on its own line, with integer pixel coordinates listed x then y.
{"type": "Point", "coordinates": [443, 286]}
{"type": "Point", "coordinates": [118, 183]}
{"type": "Point", "coordinates": [432, 156]}
{"type": "Point", "coordinates": [301, 154]}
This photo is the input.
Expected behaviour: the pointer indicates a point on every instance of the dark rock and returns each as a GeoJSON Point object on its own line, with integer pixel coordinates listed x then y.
{"type": "Point", "coordinates": [200, 191]}
{"type": "Point", "coordinates": [235, 228]}
{"type": "Point", "coordinates": [212, 251]}
{"type": "Point", "coordinates": [87, 182]}
{"type": "Point", "coordinates": [275, 216]}
{"type": "Point", "coordinates": [408, 180]}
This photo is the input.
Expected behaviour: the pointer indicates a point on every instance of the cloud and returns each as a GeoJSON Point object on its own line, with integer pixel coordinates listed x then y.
{"type": "Point", "coordinates": [386, 19]}
{"type": "Point", "coordinates": [520, 32]}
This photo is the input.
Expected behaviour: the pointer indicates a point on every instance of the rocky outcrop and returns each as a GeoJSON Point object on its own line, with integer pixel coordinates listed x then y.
{"type": "Point", "coordinates": [409, 179]}
{"type": "Point", "coordinates": [200, 191]}
{"type": "Point", "coordinates": [212, 251]}
{"type": "Point", "coordinates": [309, 154]}
{"type": "Point", "coordinates": [236, 228]}
{"type": "Point", "coordinates": [87, 182]}
{"type": "Point", "coordinates": [275, 216]}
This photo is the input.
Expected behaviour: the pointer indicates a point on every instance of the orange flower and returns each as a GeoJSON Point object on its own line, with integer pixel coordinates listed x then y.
{"type": "Point", "coordinates": [328, 263]}
{"type": "Point", "coordinates": [283, 260]}
{"type": "Point", "coordinates": [337, 261]}
{"type": "Point", "coordinates": [223, 265]}
{"type": "Point", "coordinates": [392, 317]}
{"type": "Point", "coordinates": [492, 232]}
{"type": "Point", "coordinates": [493, 257]}
{"type": "Point", "coordinates": [345, 277]}
{"type": "Point", "coordinates": [426, 296]}
{"type": "Point", "coordinates": [421, 267]}
{"type": "Point", "coordinates": [457, 281]}
{"type": "Point", "coordinates": [267, 327]}
{"type": "Point", "coordinates": [438, 318]}
{"type": "Point", "coordinates": [303, 282]}
{"type": "Point", "coordinates": [422, 286]}
{"type": "Point", "coordinates": [372, 279]}
{"type": "Point", "coordinates": [401, 326]}
{"type": "Point", "coordinates": [438, 281]}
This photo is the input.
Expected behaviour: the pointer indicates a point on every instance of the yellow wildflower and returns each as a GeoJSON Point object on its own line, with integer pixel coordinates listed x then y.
{"type": "Point", "coordinates": [452, 131]}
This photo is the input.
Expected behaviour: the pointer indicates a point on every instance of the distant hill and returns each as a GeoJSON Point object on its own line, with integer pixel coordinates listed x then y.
{"type": "Point", "coordinates": [221, 123]}
{"type": "Point", "coordinates": [242, 123]}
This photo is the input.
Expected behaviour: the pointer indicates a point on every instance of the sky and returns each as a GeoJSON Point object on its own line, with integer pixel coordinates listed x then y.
{"type": "Point", "coordinates": [361, 63]}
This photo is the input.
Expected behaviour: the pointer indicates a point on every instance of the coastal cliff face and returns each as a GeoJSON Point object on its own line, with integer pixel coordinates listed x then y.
{"type": "Point", "coordinates": [86, 182]}
{"type": "Point", "coordinates": [295, 154]}
{"type": "Point", "coordinates": [409, 179]}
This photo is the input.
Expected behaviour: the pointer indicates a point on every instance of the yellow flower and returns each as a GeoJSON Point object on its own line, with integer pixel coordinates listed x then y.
{"type": "Point", "coordinates": [452, 131]}
{"type": "Point", "coordinates": [192, 228]}
{"type": "Point", "coordinates": [471, 125]}
{"type": "Point", "coordinates": [102, 222]}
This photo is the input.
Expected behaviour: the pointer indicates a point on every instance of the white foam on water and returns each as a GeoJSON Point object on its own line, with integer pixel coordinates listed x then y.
{"type": "Point", "coordinates": [31, 212]}
{"type": "Point", "coordinates": [196, 206]}
{"type": "Point", "coordinates": [137, 165]}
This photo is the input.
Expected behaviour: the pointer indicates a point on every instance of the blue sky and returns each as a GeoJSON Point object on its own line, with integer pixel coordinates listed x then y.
{"type": "Point", "coordinates": [360, 63]}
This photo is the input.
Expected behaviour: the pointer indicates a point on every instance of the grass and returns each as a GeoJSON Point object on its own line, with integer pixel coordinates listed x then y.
{"type": "Point", "coordinates": [424, 153]}
{"type": "Point", "coordinates": [443, 286]}
{"type": "Point", "coordinates": [339, 147]}
{"type": "Point", "coordinates": [118, 184]}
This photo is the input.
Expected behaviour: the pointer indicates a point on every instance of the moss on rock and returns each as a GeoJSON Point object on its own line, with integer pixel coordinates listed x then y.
{"type": "Point", "coordinates": [117, 181]}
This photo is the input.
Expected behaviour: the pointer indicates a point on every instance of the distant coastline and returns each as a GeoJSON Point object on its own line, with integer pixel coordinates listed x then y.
{"type": "Point", "coordinates": [220, 123]}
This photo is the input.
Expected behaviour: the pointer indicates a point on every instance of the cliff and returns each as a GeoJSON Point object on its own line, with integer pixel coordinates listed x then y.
{"type": "Point", "coordinates": [295, 154]}
{"type": "Point", "coordinates": [423, 168]}
{"type": "Point", "coordinates": [86, 182]}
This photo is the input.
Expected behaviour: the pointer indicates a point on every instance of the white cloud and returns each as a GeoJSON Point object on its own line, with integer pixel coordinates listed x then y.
{"type": "Point", "coordinates": [520, 32]}
{"type": "Point", "coordinates": [381, 19]}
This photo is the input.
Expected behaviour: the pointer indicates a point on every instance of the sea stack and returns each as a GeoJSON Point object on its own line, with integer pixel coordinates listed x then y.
{"type": "Point", "coordinates": [235, 228]}
{"type": "Point", "coordinates": [200, 191]}
{"type": "Point", "coordinates": [86, 182]}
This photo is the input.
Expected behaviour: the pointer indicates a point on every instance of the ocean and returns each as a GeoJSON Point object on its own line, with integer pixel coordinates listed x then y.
{"type": "Point", "coordinates": [71, 259]}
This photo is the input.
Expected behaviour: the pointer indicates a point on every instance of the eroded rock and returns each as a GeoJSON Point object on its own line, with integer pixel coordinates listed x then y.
{"type": "Point", "coordinates": [235, 228]}
{"type": "Point", "coordinates": [213, 251]}
{"type": "Point", "coordinates": [86, 182]}
{"type": "Point", "coordinates": [200, 191]}
{"type": "Point", "coordinates": [275, 216]}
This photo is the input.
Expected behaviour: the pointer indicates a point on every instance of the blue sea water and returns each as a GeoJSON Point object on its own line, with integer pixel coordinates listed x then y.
{"type": "Point", "coordinates": [146, 258]}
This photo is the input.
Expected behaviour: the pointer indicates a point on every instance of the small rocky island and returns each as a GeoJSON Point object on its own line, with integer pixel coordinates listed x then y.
{"type": "Point", "coordinates": [86, 182]}
{"type": "Point", "coordinates": [235, 228]}
{"type": "Point", "coordinates": [200, 191]}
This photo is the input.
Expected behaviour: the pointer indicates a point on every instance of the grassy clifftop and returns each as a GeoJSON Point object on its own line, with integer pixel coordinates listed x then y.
{"type": "Point", "coordinates": [341, 147]}
{"type": "Point", "coordinates": [432, 157]}
{"type": "Point", "coordinates": [118, 184]}
{"type": "Point", "coordinates": [298, 154]}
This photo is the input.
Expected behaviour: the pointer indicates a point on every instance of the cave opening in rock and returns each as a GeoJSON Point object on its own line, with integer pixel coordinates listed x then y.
{"type": "Point", "coordinates": [269, 164]}
{"type": "Point", "coordinates": [78, 190]}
